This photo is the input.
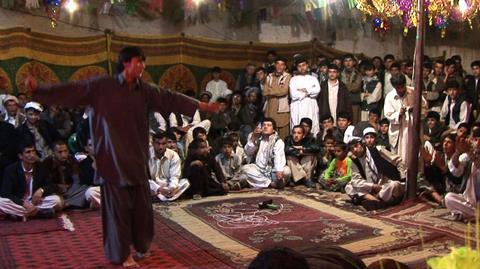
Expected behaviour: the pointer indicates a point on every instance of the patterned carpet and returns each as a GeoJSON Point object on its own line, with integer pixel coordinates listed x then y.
{"type": "Point", "coordinates": [292, 224]}
{"type": "Point", "coordinates": [227, 232]}
{"type": "Point", "coordinates": [8, 227]}
{"type": "Point", "coordinates": [82, 248]}
{"type": "Point", "coordinates": [328, 219]}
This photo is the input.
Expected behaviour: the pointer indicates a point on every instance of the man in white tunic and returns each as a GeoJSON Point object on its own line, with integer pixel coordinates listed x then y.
{"type": "Point", "coordinates": [165, 170]}
{"type": "Point", "coordinates": [270, 167]}
{"type": "Point", "coordinates": [304, 89]}
{"type": "Point", "coordinates": [216, 86]}
{"type": "Point", "coordinates": [398, 109]}
{"type": "Point", "coordinates": [466, 158]}
{"type": "Point", "coordinates": [376, 174]}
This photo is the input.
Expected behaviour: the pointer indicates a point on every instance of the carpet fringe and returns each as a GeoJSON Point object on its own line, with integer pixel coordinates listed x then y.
{"type": "Point", "coordinates": [67, 223]}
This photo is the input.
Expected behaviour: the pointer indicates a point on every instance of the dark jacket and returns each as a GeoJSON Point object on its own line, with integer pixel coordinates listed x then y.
{"type": "Point", "coordinates": [14, 186]}
{"type": "Point", "coordinates": [343, 101]}
{"type": "Point", "coordinates": [209, 163]}
{"type": "Point", "coordinates": [61, 175]}
{"type": "Point", "coordinates": [310, 147]}
{"type": "Point", "coordinates": [472, 92]}
{"type": "Point", "coordinates": [7, 146]}
{"type": "Point", "coordinates": [86, 172]}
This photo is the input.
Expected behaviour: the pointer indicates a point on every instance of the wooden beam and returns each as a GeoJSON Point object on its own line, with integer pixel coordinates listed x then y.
{"type": "Point", "coordinates": [414, 133]}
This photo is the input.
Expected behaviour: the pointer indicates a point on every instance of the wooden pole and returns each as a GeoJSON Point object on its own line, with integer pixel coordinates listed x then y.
{"type": "Point", "coordinates": [414, 133]}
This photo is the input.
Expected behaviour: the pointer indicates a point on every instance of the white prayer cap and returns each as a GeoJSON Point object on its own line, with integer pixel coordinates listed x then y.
{"type": "Point", "coordinates": [369, 130]}
{"type": "Point", "coordinates": [38, 107]}
{"type": "Point", "coordinates": [10, 98]}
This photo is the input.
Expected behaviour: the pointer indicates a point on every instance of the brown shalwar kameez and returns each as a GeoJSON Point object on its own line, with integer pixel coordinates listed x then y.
{"type": "Point", "coordinates": [119, 130]}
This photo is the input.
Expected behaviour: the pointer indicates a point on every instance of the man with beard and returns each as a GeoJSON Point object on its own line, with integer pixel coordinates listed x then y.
{"type": "Point", "coordinates": [301, 155]}
{"type": "Point", "coordinates": [63, 172]}
{"type": "Point", "coordinates": [276, 95]}
{"type": "Point", "coordinates": [304, 89]}
{"type": "Point", "coordinates": [376, 174]}
{"type": "Point", "coordinates": [398, 109]}
{"type": "Point", "coordinates": [165, 170]}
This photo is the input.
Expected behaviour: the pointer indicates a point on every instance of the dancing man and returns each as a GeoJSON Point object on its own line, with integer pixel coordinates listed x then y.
{"type": "Point", "coordinates": [119, 128]}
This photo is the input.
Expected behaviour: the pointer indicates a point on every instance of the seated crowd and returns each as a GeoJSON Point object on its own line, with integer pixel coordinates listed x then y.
{"type": "Point", "coordinates": [336, 125]}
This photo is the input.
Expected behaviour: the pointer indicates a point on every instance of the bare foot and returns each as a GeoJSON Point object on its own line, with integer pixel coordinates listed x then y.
{"type": "Point", "coordinates": [130, 263]}
{"type": "Point", "coordinates": [140, 255]}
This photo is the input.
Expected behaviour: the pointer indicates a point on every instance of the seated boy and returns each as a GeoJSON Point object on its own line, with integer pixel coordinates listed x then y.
{"type": "Point", "coordinates": [339, 172]}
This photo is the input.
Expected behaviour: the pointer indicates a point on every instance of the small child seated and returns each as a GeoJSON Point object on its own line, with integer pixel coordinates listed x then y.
{"type": "Point", "coordinates": [339, 172]}
{"type": "Point", "coordinates": [228, 161]}
{"type": "Point", "coordinates": [231, 165]}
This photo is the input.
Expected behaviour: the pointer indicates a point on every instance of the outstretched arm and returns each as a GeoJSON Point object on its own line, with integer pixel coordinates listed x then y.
{"type": "Point", "coordinates": [66, 94]}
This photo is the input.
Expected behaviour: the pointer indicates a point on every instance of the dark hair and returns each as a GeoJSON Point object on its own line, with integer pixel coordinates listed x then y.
{"type": "Point", "coordinates": [398, 80]}
{"type": "Point", "coordinates": [126, 55]}
{"type": "Point", "coordinates": [281, 59]}
{"type": "Point", "coordinates": [260, 69]}
{"type": "Point", "coordinates": [216, 69]}
{"type": "Point", "coordinates": [377, 57]}
{"type": "Point", "coordinates": [195, 144]}
{"type": "Point", "coordinates": [59, 142]}
{"type": "Point", "coordinates": [395, 65]}
{"type": "Point", "coordinates": [159, 135]}
{"type": "Point", "coordinates": [329, 136]}
{"type": "Point", "coordinates": [341, 145]}
{"type": "Point", "coordinates": [452, 83]}
{"type": "Point", "coordinates": [227, 141]}
{"type": "Point", "coordinates": [222, 100]}
{"type": "Point", "coordinates": [171, 136]}
{"type": "Point", "coordinates": [24, 144]}
{"type": "Point", "coordinates": [389, 56]}
{"type": "Point", "coordinates": [375, 111]}
{"type": "Point", "coordinates": [299, 127]}
{"type": "Point", "coordinates": [333, 66]}
{"type": "Point", "coordinates": [348, 56]}
{"type": "Point", "coordinates": [433, 115]}
{"type": "Point", "coordinates": [326, 117]}
{"type": "Point", "coordinates": [306, 120]}
{"type": "Point", "coordinates": [442, 62]}
{"type": "Point", "coordinates": [324, 63]}
{"type": "Point", "coordinates": [475, 63]}
{"type": "Point", "coordinates": [367, 66]}
{"type": "Point", "coordinates": [450, 62]}
{"type": "Point", "coordinates": [274, 123]}
{"type": "Point", "coordinates": [233, 136]}
{"type": "Point", "coordinates": [427, 65]}
{"type": "Point", "coordinates": [456, 57]}
{"type": "Point", "coordinates": [384, 121]}
{"type": "Point", "coordinates": [343, 115]}
{"type": "Point", "coordinates": [452, 137]}
{"type": "Point", "coordinates": [464, 125]}
{"type": "Point", "coordinates": [197, 131]}
{"type": "Point", "coordinates": [272, 52]}
{"type": "Point", "coordinates": [409, 63]}
{"type": "Point", "coordinates": [279, 257]}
